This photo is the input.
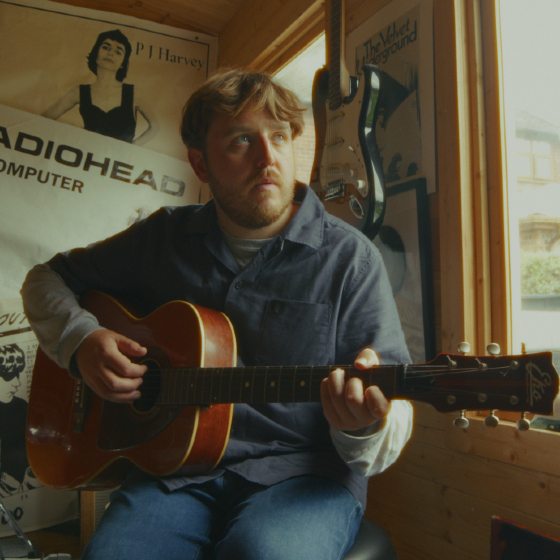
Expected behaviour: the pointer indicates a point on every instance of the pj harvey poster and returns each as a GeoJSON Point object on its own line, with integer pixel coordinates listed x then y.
{"type": "Point", "coordinates": [54, 62]}
{"type": "Point", "coordinates": [90, 106]}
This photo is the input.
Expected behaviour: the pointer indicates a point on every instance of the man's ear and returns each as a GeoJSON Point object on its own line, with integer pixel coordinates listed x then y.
{"type": "Point", "coordinates": [196, 159]}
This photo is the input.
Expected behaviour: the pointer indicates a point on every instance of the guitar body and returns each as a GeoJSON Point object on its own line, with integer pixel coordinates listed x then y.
{"type": "Point", "coordinates": [347, 170]}
{"type": "Point", "coordinates": [75, 439]}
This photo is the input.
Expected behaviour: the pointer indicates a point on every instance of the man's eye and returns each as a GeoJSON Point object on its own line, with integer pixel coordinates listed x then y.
{"type": "Point", "coordinates": [280, 137]}
{"type": "Point", "coordinates": [243, 139]}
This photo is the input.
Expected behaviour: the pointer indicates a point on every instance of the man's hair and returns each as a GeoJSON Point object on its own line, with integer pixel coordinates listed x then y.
{"type": "Point", "coordinates": [119, 37]}
{"type": "Point", "coordinates": [230, 92]}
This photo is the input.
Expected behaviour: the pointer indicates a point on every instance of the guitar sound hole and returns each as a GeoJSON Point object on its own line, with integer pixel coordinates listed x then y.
{"type": "Point", "coordinates": [150, 388]}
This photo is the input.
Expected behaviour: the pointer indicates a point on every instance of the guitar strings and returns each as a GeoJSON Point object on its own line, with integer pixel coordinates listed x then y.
{"type": "Point", "coordinates": [153, 382]}
{"type": "Point", "coordinates": [417, 371]}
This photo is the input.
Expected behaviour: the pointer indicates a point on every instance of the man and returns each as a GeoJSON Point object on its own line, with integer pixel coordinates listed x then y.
{"type": "Point", "coordinates": [300, 287]}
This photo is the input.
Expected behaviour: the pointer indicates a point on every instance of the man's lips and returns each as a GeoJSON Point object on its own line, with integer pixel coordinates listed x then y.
{"type": "Point", "coordinates": [267, 181]}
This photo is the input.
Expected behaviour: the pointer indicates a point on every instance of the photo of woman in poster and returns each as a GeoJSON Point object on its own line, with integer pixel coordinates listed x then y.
{"type": "Point", "coordinates": [108, 106]}
{"type": "Point", "coordinates": [15, 473]}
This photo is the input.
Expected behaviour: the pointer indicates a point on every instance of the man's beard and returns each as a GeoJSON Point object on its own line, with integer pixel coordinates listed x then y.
{"type": "Point", "coordinates": [252, 212]}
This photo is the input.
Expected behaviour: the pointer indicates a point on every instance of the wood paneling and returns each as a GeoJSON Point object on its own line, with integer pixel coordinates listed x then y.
{"type": "Point", "coordinates": [456, 233]}
{"type": "Point", "coordinates": [261, 31]}
{"type": "Point", "coordinates": [437, 501]}
{"type": "Point", "coordinates": [497, 189]}
{"type": "Point", "coordinates": [534, 449]}
{"type": "Point", "coordinates": [208, 16]}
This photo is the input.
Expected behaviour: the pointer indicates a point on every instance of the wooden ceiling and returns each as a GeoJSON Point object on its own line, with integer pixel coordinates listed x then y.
{"type": "Point", "coordinates": [261, 34]}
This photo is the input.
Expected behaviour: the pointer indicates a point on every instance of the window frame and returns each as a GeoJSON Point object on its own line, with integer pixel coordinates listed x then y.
{"type": "Point", "coordinates": [534, 156]}
{"type": "Point", "coordinates": [478, 299]}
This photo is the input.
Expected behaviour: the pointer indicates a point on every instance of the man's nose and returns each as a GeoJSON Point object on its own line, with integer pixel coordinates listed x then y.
{"type": "Point", "coordinates": [265, 153]}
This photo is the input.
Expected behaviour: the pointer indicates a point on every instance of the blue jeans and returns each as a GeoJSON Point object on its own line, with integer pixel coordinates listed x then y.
{"type": "Point", "coordinates": [227, 518]}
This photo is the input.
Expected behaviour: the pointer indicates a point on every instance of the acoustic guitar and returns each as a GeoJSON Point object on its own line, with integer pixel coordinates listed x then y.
{"type": "Point", "coordinates": [347, 172]}
{"type": "Point", "coordinates": [76, 439]}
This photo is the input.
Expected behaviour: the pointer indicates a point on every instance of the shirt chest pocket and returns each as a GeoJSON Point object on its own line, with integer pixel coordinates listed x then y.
{"type": "Point", "coordinates": [293, 333]}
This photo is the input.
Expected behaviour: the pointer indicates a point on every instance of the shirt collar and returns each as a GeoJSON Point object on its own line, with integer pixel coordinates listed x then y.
{"type": "Point", "coordinates": [306, 226]}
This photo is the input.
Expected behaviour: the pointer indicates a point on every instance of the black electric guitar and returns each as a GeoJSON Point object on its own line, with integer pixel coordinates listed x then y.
{"type": "Point", "coordinates": [347, 172]}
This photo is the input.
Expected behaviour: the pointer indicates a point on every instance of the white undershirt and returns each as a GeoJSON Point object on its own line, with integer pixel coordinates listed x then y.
{"type": "Point", "coordinates": [243, 250]}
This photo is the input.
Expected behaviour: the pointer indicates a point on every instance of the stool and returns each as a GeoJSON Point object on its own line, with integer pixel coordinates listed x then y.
{"type": "Point", "coordinates": [372, 543]}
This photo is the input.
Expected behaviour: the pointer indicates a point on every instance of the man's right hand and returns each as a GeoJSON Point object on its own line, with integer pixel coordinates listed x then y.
{"type": "Point", "coordinates": [103, 360]}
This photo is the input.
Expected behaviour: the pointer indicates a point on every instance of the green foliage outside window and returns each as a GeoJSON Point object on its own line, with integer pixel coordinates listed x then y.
{"type": "Point", "coordinates": [540, 273]}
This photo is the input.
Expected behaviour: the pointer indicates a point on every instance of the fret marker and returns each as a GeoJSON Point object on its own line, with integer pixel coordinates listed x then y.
{"type": "Point", "coordinates": [302, 383]}
{"type": "Point", "coordinates": [273, 383]}
{"type": "Point", "coordinates": [247, 384]}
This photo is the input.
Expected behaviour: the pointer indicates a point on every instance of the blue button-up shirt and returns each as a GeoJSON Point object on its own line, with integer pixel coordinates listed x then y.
{"type": "Point", "coordinates": [316, 294]}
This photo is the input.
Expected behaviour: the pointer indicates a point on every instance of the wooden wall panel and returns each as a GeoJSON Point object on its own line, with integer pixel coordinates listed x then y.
{"type": "Point", "coordinates": [444, 513]}
{"type": "Point", "coordinates": [412, 543]}
{"type": "Point", "coordinates": [206, 17]}
{"type": "Point", "coordinates": [536, 494]}
{"type": "Point", "coordinates": [260, 31]}
{"type": "Point", "coordinates": [534, 449]}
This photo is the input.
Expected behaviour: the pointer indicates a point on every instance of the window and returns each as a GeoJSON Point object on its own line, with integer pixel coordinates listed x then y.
{"type": "Point", "coordinates": [531, 102]}
{"type": "Point", "coordinates": [298, 76]}
{"type": "Point", "coordinates": [522, 124]}
{"type": "Point", "coordinates": [481, 190]}
{"type": "Point", "coordinates": [533, 159]}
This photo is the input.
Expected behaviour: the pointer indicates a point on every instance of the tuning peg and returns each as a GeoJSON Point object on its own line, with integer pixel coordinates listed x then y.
{"type": "Point", "coordinates": [491, 421]}
{"type": "Point", "coordinates": [523, 424]}
{"type": "Point", "coordinates": [464, 348]}
{"type": "Point", "coordinates": [493, 349]}
{"type": "Point", "coordinates": [461, 423]}
{"type": "Point", "coordinates": [451, 363]}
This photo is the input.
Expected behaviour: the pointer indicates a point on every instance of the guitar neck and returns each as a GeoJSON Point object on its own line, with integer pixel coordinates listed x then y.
{"type": "Point", "coordinates": [525, 382]}
{"type": "Point", "coordinates": [258, 384]}
{"type": "Point", "coordinates": [339, 78]}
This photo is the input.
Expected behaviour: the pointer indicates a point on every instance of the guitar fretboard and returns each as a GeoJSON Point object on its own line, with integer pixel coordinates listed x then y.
{"type": "Point", "coordinates": [335, 96]}
{"type": "Point", "coordinates": [258, 384]}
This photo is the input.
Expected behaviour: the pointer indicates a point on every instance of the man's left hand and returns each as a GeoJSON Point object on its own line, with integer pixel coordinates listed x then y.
{"type": "Point", "coordinates": [346, 405]}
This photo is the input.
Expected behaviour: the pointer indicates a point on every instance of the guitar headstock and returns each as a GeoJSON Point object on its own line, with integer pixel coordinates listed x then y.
{"type": "Point", "coordinates": [450, 382]}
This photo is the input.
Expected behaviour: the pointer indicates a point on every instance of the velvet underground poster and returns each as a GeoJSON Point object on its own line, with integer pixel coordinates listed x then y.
{"type": "Point", "coordinates": [399, 40]}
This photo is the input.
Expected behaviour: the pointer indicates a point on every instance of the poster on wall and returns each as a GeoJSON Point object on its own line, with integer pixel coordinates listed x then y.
{"type": "Point", "coordinates": [127, 78]}
{"type": "Point", "coordinates": [62, 187]}
{"type": "Point", "coordinates": [29, 502]}
{"type": "Point", "coordinates": [399, 40]}
{"type": "Point", "coordinates": [404, 244]}
{"type": "Point", "coordinates": [90, 106]}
